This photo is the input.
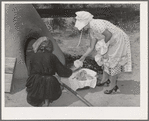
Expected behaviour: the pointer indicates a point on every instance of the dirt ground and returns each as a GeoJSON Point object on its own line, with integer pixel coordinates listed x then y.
{"type": "Point", "coordinates": [128, 97]}
{"type": "Point", "coordinates": [129, 84]}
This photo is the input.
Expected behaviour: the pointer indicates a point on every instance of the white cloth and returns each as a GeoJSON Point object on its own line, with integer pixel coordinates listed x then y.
{"type": "Point", "coordinates": [76, 84]}
{"type": "Point", "coordinates": [78, 63]}
{"type": "Point", "coordinates": [38, 42]}
{"type": "Point", "coordinates": [101, 48]}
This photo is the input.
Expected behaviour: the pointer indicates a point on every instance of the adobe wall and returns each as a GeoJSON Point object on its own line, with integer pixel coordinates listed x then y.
{"type": "Point", "coordinates": [21, 22]}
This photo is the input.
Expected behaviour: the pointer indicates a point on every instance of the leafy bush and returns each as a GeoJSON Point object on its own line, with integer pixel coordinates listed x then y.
{"type": "Point", "coordinates": [130, 26]}
{"type": "Point", "coordinates": [58, 23]}
{"type": "Point", "coordinates": [59, 41]}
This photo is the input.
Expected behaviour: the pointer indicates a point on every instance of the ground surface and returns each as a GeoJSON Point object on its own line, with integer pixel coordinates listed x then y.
{"type": "Point", "coordinates": [128, 97]}
{"type": "Point", "coordinates": [129, 84]}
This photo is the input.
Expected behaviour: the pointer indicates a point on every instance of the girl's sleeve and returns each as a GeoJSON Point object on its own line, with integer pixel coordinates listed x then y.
{"type": "Point", "coordinates": [61, 70]}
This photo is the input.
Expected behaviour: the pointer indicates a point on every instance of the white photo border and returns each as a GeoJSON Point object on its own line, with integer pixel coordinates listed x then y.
{"type": "Point", "coordinates": [89, 113]}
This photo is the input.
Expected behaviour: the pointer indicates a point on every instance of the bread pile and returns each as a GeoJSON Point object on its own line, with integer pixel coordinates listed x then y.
{"type": "Point", "coordinates": [82, 76]}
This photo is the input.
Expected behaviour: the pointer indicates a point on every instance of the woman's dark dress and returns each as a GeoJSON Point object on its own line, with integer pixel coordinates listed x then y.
{"type": "Point", "coordinates": [41, 84]}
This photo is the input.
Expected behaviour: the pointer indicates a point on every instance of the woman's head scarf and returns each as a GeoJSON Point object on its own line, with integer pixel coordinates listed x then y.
{"type": "Point", "coordinates": [38, 43]}
{"type": "Point", "coordinates": [82, 19]}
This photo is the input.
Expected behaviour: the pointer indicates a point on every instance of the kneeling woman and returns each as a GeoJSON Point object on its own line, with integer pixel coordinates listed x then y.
{"type": "Point", "coordinates": [42, 85]}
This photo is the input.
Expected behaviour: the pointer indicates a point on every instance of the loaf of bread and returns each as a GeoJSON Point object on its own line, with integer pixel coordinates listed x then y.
{"type": "Point", "coordinates": [82, 76]}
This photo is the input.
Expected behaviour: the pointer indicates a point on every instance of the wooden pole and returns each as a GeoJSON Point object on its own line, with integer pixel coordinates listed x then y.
{"type": "Point", "coordinates": [77, 95]}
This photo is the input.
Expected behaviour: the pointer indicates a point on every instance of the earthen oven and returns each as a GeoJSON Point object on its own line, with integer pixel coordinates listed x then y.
{"type": "Point", "coordinates": [22, 22]}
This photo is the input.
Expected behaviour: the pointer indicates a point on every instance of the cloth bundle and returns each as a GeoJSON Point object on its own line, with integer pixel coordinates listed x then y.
{"type": "Point", "coordinates": [101, 48]}
{"type": "Point", "coordinates": [75, 83]}
{"type": "Point", "coordinates": [78, 63]}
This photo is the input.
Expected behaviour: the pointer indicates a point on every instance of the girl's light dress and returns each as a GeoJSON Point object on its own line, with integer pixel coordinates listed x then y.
{"type": "Point", "coordinates": [115, 55]}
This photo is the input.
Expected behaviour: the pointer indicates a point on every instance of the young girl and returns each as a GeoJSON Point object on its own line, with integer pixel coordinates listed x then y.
{"type": "Point", "coordinates": [113, 53]}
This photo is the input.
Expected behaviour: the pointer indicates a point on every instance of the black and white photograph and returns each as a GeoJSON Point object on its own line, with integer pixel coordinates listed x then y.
{"type": "Point", "coordinates": [74, 60]}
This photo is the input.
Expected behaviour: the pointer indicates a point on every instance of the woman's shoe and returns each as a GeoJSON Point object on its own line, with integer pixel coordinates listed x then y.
{"type": "Point", "coordinates": [114, 90]}
{"type": "Point", "coordinates": [102, 84]}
